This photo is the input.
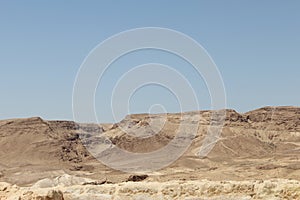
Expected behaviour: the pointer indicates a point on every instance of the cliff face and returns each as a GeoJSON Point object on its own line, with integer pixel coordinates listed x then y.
{"type": "Point", "coordinates": [259, 144]}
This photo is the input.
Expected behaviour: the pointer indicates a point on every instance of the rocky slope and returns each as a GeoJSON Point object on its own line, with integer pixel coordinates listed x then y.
{"type": "Point", "coordinates": [263, 144]}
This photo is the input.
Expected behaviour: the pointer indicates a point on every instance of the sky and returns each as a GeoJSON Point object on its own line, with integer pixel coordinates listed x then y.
{"type": "Point", "coordinates": [255, 45]}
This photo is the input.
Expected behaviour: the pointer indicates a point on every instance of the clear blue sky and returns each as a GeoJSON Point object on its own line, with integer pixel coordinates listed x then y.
{"type": "Point", "coordinates": [255, 44]}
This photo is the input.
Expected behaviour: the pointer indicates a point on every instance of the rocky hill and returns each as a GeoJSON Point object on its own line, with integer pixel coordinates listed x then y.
{"type": "Point", "coordinates": [261, 144]}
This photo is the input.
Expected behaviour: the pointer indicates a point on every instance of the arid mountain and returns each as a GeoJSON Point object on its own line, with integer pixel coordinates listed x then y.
{"type": "Point", "coordinates": [257, 145]}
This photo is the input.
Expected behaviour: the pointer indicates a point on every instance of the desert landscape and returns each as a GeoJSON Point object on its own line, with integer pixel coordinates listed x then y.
{"type": "Point", "coordinates": [257, 156]}
{"type": "Point", "coordinates": [150, 100]}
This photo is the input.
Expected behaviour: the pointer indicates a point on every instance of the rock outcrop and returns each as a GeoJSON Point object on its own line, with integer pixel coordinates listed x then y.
{"type": "Point", "coordinates": [275, 189]}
